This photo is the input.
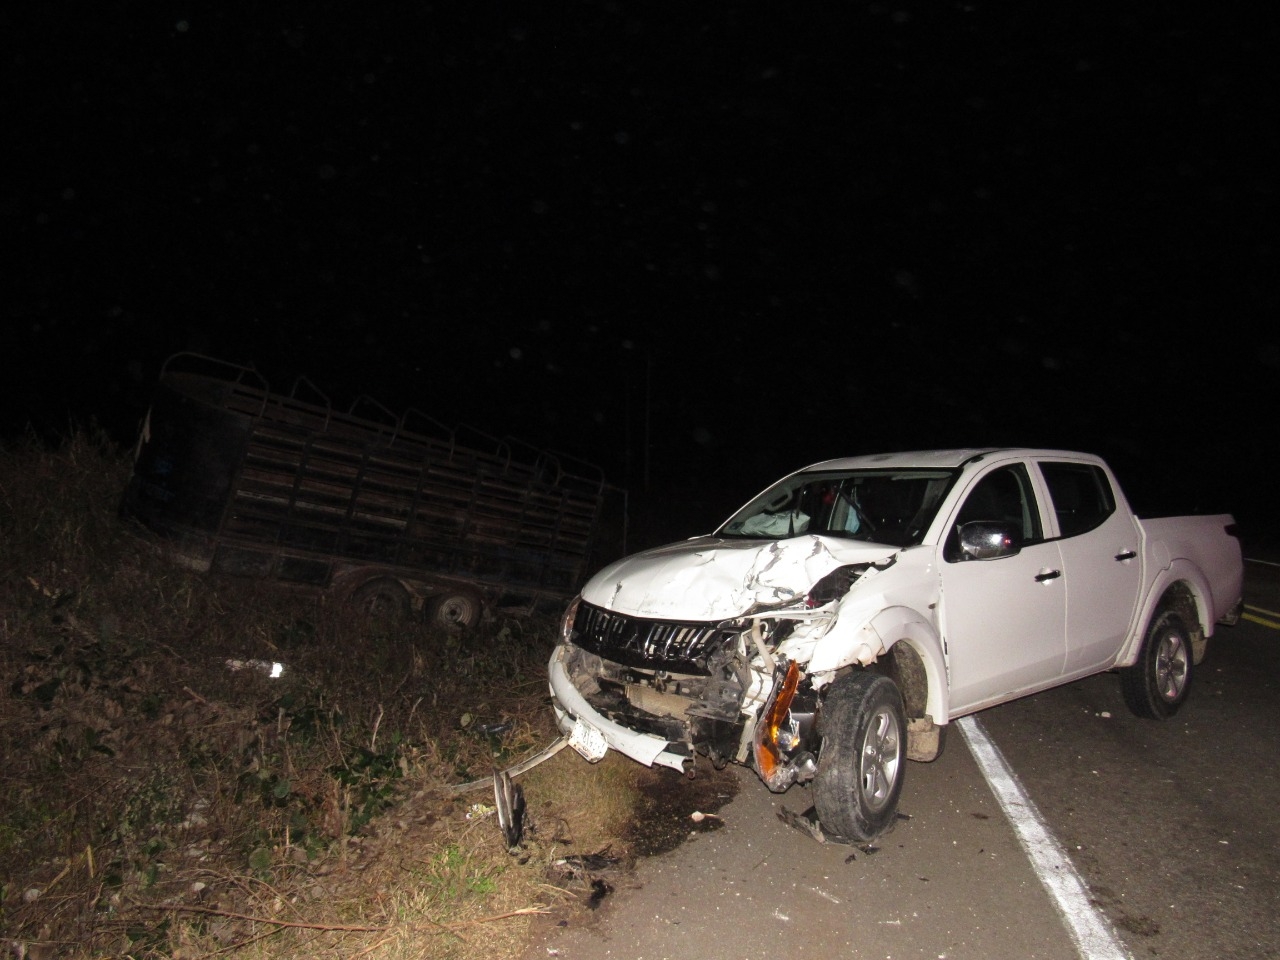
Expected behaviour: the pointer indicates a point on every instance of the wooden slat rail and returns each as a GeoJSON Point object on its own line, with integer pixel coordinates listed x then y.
{"type": "Point", "coordinates": [315, 479]}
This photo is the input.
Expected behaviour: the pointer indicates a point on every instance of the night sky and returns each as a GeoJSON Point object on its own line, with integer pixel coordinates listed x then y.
{"type": "Point", "coordinates": [699, 244]}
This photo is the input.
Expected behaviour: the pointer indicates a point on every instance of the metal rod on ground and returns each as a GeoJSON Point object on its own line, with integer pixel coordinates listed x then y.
{"type": "Point", "coordinates": [522, 767]}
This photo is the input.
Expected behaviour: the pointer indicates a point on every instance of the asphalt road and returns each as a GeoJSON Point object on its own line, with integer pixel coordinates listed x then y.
{"type": "Point", "coordinates": [1172, 827]}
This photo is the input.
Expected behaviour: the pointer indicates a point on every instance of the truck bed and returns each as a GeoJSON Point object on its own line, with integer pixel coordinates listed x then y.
{"type": "Point", "coordinates": [248, 481]}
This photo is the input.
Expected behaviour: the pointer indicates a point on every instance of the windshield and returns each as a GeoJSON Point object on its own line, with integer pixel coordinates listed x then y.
{"type": "Point", "coordinates": [881, 506]}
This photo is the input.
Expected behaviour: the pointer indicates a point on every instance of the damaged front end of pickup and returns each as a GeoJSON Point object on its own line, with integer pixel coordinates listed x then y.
{"type": "Point", "coordinates": [735, 691]}
{"type": "Point", "coordinates": [693, 688]}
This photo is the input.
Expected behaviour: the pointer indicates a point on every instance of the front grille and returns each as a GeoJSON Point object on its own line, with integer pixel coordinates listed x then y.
{"type": "Point", "coordinates": [649, 644]}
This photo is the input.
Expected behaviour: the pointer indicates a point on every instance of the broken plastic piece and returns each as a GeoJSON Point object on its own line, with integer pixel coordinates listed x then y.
{"type": "Point", "coordinates": [806, 823]}
{"type": "Point", "coordinates": [271, 668]}
{"type": "Point", "coordinates": [580, 864]}
{"type": "Point", "coordinates": [478, 811]}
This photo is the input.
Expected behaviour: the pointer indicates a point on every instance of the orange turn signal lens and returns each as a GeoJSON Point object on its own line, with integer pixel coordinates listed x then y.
{"type": "Point", "coordinates": [770, 765]}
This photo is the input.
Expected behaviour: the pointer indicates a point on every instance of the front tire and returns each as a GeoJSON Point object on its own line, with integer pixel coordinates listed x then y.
{"type": "Point", "coordinates": [862, 760]}
{"type": "Point", "coordinates": [1159, 681]}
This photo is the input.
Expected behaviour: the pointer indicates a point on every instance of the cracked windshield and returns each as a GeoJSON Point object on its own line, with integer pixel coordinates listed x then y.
{"type": "Point", "coordinates": [894, 507]}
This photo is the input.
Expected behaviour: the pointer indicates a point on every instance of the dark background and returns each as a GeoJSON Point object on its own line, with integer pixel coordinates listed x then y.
{"type": "Point", "coordinates": [698, 244]}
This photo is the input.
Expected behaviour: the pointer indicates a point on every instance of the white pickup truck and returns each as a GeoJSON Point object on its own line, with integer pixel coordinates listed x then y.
{"type": "Point", "coordinates": [832, 627]}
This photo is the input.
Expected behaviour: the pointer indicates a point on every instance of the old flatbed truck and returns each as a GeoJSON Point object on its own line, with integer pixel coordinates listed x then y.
{"type": "Point", "coordinates": [397, 514]}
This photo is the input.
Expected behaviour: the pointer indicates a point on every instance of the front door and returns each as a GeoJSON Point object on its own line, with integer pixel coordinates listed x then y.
{"type": "Point", "coordinates": [1004, 620]}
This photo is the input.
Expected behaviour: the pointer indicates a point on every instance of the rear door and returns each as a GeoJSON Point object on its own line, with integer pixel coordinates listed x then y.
{"type": "Point", "coordinates": [1102, 566]}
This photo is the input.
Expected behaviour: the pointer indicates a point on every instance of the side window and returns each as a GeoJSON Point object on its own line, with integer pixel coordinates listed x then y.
{"type": "Point", "coordinates": [1081, 496]}
{"type": "Point", "coordinates": [1002, 496]}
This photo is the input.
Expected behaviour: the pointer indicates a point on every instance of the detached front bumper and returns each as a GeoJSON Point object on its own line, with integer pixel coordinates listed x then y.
{"type": "Point", "coordinates": [571, 708]}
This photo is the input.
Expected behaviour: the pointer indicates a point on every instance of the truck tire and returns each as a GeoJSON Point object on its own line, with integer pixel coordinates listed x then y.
{"type": "Point", "coordinates": [455, 610]}
{"type": "Point", "coordinates": [1159, 680]}
{"type": "Point", "coordinates": [383, 598]}
{"type": "Point", "coordinates": [862, 760]}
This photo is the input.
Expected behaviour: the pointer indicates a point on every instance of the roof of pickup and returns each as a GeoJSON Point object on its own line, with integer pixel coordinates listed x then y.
{"type": "Point", "coordinates": [949, 459]}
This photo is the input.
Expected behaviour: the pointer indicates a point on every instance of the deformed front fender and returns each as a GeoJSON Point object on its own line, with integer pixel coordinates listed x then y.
{"type": "Point", "coordinates": [875, 637]}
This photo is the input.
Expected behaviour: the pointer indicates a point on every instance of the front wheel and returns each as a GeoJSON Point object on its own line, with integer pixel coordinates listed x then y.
{"type": "Point", "coordinates": [1158, 682]}
{"type": "Point", "coordinates": [862, 761]}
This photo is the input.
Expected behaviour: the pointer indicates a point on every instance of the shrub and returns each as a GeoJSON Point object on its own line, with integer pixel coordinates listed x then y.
{"type": "Point", "coordinates": [164, 795]}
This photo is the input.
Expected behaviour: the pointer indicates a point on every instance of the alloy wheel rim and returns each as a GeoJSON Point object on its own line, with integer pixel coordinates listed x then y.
{"type": "Point", "coordinates": [881, 757]}
{"type": "Point", "coordinates": [1171, 666]}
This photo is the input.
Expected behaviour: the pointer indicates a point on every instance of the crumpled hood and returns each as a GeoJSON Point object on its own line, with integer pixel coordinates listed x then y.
{"type": "Point", "coordinates": [710, 578]}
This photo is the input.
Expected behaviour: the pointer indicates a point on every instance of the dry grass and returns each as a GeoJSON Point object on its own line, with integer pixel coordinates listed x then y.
{"type": "Point", "coordinates": [156, 802]}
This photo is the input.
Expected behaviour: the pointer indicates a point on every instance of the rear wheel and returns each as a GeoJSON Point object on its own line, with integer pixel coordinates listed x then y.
{"type": "Point", "coordinates": [456, 610]}
{"type": "Point", "coordinates": [1157, 684]}
{"type": "Point", "coordinates": [862, 761]}
{"type": "Point", "coordinates": [383, 598]}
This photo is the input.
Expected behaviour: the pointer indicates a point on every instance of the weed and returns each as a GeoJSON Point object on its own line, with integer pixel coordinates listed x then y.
{"type": "Point", "coordinates": [153, 796]}
{"type": "Point", "coordinates": [453, 873]}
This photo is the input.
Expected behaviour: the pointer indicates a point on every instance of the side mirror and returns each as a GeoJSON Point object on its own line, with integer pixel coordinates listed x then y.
{"type": "Point", "coordinates": [984, 540]}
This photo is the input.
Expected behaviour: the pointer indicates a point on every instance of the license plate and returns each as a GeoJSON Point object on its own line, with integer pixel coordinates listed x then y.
{"type": "Point", "coordinates": [588, 741]}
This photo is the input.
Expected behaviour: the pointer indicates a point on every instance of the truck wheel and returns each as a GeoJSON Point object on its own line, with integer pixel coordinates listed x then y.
{"type": "Point", "coordinates": [455, 610]}
{"type": "Point", "coordinates": [383, 598]}
{"type": "Point", "coordinates": [1159, 681]}
{"type": "Point", "coordinates": [862, 760]}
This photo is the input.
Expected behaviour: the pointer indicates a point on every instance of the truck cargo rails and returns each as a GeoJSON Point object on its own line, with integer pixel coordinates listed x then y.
{"type": "Point", "coordinates": [394, 513]}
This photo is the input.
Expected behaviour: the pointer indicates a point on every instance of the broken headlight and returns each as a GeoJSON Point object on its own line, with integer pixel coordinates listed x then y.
{"type": "Point", "coordinates": [566, 621]}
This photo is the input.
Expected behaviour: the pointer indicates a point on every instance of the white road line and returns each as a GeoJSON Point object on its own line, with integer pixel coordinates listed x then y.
{"type": "Point", "coordinates": [1091, 933]}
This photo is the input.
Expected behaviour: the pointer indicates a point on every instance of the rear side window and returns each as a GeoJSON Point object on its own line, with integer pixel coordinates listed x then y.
{"type": "Point", "coordinates": [1081, 496]}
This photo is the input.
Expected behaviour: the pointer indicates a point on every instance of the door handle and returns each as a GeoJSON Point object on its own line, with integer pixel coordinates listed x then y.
{"type": "Point", "coordinates": [1126, 555]}
{"type": "Point", "coordinates": [1048, 575]}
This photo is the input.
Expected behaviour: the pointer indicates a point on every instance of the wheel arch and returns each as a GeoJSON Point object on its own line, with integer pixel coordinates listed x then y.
{"type": "Point", "coordinates": [375, 593]}
{"type": "Point", "coordinates": [913, 660]}
{"type": "Point", "coordinates": [900, 644]}
{"type": "Point", "coordinates": [349, 579]}
{"type": "Point", "coordinates": [1181, 587]}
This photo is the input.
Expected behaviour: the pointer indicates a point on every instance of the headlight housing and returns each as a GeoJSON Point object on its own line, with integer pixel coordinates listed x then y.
{"type": "Point", "coordinates": [566, 621]}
